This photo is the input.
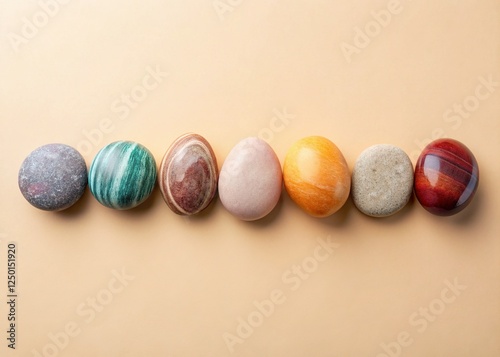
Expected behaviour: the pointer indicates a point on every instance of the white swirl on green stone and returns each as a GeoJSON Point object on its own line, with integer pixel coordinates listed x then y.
{"type": "Point", "coordinates": [122, 175]}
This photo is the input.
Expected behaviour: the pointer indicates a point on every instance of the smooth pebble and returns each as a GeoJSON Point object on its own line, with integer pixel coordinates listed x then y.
{"type": "Point", "coordinates": [446, 177]}
{"type": "Point", "coordinates": [250, 180]}
{"type": "Point", "coordinates": [316, 176]}
{"type": "Point", "coordinates": [382, 180]}
{"type": "Point", "coordinates": [122, 175]}
{"type": "Point", "coordinates": [53, 177]}
{"type": "Point", "coordinates": [188, 175]}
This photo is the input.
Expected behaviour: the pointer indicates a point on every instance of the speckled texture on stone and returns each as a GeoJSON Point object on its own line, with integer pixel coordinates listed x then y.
{"type": "Point", "coordinates": [382, 180]}
{"type": "Point", "coordinates": [53, 177]}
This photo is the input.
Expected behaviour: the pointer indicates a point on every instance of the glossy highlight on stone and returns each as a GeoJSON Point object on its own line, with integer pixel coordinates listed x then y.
{"type": "Point", "coordinates": [446, 177]}
{"type": "Point", "coordinates": [316, 176]}
{"type": "Point", "coordinates": [188, 175]}
{"type": "Point", "coordinates": [122, 175]}
{"type": "Point", "coordinates": [250, 180]}
{"type": "Point", "coordinates": [382, 180]}
{"type": "Point", "coordinates": [53, 177]}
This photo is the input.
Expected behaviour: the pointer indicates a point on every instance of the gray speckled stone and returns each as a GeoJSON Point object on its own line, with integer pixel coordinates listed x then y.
{"type": "Point", "coordinates": [53, 177]}
{"type": "Point", "coordinates": [382, 180]}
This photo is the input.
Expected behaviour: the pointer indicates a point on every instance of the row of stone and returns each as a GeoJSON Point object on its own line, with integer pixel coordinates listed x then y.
{"type": "Point", "coordinates": [315, 175]}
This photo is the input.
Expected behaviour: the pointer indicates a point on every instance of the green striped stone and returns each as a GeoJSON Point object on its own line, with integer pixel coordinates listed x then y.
{"type": "Point", "coordinates": [122, 175]}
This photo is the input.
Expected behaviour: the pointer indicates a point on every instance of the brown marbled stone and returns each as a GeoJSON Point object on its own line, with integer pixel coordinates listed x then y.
{"type": "Point", "coordinates": [188, 175]}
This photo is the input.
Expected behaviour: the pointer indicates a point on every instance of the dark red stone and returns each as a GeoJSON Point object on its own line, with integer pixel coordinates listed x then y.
{"type": "Point", "coordinates": [446, 177]}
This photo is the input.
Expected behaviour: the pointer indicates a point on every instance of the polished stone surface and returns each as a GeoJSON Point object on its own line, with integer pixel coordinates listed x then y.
{"type": "Point", "coordinates": [382, 180]}
{"type": "Point", "coordinates": [188, 175]}
{"type": "Point", "coordinates": [53, 177]}
{"type": "Point", "coordinates": [316, 176]}
{"type": "Point", "coordinates": [250, 180]}
{"type": "Point", "coordinates": [446, 177]}
{"type": "Point", "coordinates": [122, 175]}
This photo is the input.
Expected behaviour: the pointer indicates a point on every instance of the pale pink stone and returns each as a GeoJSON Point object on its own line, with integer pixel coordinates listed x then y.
{"type": "Point", "coordinates": [250, 180]}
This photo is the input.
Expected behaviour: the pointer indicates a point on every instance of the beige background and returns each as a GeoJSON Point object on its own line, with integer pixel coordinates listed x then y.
{"type": "Point", "coordinates": [228, 75]}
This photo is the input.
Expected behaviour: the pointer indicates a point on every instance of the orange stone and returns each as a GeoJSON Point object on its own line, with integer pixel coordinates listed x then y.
{"type": "Point", "coordinates": [316, 176]}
